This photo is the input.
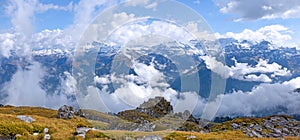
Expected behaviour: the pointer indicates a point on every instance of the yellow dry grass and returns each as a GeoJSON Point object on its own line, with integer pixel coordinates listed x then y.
{"type": "Point", "coordinates": [62, 129]}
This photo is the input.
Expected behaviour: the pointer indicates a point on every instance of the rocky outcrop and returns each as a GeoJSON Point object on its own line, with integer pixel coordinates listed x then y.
{"type": "Point", "coordinates": [271, 127]}
{"type": "Point", "coordinates": [65, 112]}
{"type": "Point", "coordinates": [151, 110]}
{"type": "Point", "coordinates": [156, 107]}
{"type": "Point", "coordinates": [142, 117]}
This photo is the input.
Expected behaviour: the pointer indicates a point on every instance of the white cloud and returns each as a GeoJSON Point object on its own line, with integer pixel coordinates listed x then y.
{"type": "Point", "coordinates": [102, 80]}
{"type": "Point", "coordinates": [278, 35]}
{"type": "Point", "coordinates": [25, 89]}
{"type": "Point", "coordinates": [244, 71]}
{"type": "Point", "coordinates": [22, 13]}
{"type": "Point", "coordinates": [149, 4]}
{"type": "Point", "coordinates": [48, 40]}
{"type": "Point", "coordinates": [68, 85]}
{"type": "Point", "coordinates": [257, 9]}
{"type": "Point", "coordinates": [52, 39]}
{"type": "Point", "coordinates": [14, 42]}
{"type": "Point", "coordinates": [136, 2]}
{"type": "Point", "coordinates": [263, 98]}
{"type": "Point", "coordinates": [7, 43]}
{"type": "Point", "coordinates": [260, 78]}
{"type": "Point", "coordinates": [135, 31]}
{"type": "Point", "coordinates": [86, 10]}
{"type": "Point", "coordinates": [45, 7]}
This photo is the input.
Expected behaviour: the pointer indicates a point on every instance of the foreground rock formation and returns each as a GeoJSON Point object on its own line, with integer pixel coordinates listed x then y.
{"type": "Point", "coordinates": [65, 112]}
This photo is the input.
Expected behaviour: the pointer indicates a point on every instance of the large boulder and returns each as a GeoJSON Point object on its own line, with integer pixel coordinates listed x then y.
{"type": "Point", "coordinates": [65, 112]}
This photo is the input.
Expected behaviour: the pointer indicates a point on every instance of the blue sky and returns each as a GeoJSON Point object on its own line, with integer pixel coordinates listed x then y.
{"type": "Point", "coordinates": [223, 16]}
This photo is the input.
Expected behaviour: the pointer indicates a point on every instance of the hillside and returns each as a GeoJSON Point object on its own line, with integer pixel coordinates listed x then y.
{"type": "Point", "coordinates": [152, 119]}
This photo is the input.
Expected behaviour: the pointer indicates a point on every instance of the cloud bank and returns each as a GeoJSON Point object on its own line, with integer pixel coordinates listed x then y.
{"type": "Point", "coordinates": [258, 9]}
{"type": "Point", "coordinates": [246, 72]}
{"type": "Point", "coordinates": [25, 89]}
{"type": "Point", "coordinates": [277, 34]}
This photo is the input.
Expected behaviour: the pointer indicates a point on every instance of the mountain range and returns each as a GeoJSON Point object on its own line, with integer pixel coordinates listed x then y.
{"type": "Point", "coordinates": [248, 65]}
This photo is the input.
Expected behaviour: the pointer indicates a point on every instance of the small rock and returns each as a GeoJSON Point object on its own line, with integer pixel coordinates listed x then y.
{"type": "Point", "coordinates": [258, 128]}
{"type": "Point", "coordinates": [285, 130]}
{"type": "Point", "coordinates": [191, 137]}
{"type": "Point", "coordinates": [256, 134]}
{"type": "Point", "coordinates": [81, 135]}
{"type": "Point", "coordinates": [275, 135]}
{"type": "Point", "coordinates": [80, 113]}
{"type": "Point", "coordinates": [35, 134]}
{"type": "Point", "coordinates": [268, 125]}
{"type": "Point", "coordinates": [82, 130]}
{"type": "Point", "coordinates": [28, 119]}
{"type": "Point", "coordinates": [151, 137]}
{"type": "Point", "coordinates": [249, 134]}
{"type": "Point", "coordinates": [277, 131]}
{"type": "Point", "coordinates": [235, 126]}
{"type": "Point", "coordinates": [274, 119]}
{"type": "Point", "coordinates": [251, 125]}
{"type": "Point", "coordinates": [46, 130]}
{"type": "Point", "coordinates": [47, 137]}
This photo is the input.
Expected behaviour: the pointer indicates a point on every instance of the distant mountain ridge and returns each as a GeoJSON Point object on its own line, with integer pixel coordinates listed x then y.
{"type": "Point", "coordinates": [57, 64]}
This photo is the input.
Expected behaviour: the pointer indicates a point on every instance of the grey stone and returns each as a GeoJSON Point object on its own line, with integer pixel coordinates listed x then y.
{"type": "Point", "coordinates": [150, 137]}
{"type": "Point", "coordinates": [65, 112]}
{"type": "Point", "coordinates": [249, 134]}
{"type": "Point", "coordinates": [285, 130]}
{"type": "Point", "coordinates": [251, 125]}
{"type": "Point", "coordinates": [268, 125]}
{"type": "Point", "coordinates": [191, 137]}
{"type": "Point", "coordinates": [274, 119]}
{"type": "Point", "coordinates": [235, 126]}
{"type": "Point", "coordinates": [46, 130]}
{"type": "Point", "coordinates": [277, 131]}
{"type": "Point", "coordinates": [256, 134]}
{"type": "Point", "coordinates": [258, 128]}
{"type": "Point", "coordinates": [82, 130]}
{"type": "Point", "coordinates": [146, 127]}
{"type": "Point", "coordinates": [275, 135]}
{"type": "Point", "coordinates": [47, 137]}
{"type": "Point", "coordinates": [27, 119]}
